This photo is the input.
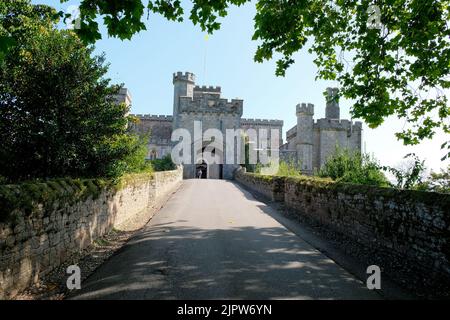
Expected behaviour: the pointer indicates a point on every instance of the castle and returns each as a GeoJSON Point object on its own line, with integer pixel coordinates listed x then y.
{"type": "Point", "coordinates": [308, 142]}
{"type": "Point", "coordinates": [312, 142]}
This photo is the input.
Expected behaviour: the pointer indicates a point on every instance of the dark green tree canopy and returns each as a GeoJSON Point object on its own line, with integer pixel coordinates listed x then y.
{"type": "Point", "coordinates": [58, 115]}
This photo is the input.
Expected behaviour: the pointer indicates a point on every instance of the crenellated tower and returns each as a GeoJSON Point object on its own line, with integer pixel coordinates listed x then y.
{"type": "Point", "coordinates": [204, 113]}
{"type": "Point", "coordinates": [305, 124]}
{"type": "Point", "coordinates": [183, 86]}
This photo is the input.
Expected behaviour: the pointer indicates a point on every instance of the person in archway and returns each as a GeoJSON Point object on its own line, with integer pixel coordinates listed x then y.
{"type": "Point", "coordinates": [199, 173]}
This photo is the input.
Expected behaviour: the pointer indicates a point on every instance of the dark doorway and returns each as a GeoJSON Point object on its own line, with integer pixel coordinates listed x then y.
{"type": "Point", "coordinates": [204, 168]}
{"type": "Point", "coordinates": [220, 171]}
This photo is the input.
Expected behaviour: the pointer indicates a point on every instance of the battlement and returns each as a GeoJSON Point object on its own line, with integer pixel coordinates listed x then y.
{"type": "Point", "coordinates": [153, 117]}
{"type": "Point", "coordinates": [328, 124]}
{"type": "Point", "coordinates": [305, 109]}
{"type": "Point", "coordinates": [187, 76]}
{"type": "Point", "coordinates": [262, 122]}
{"type": "Point", "coordinates": [211, 104]}
{"type": "Point", "coordinates": [335, 124]}
{"type": "Point", "coordinates": [209, 89]}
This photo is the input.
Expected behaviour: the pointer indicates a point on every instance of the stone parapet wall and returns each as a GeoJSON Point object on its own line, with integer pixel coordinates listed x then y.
{"type": "Point", "coordinates": [261, 122]}
{"type": "Point", "coordinates": [201, 89]}
{"type": "Point", "coordinates": [166, 182]}
{"type": "Point", "coordinates": [334, 124]}
{"type": "Point", "coordinates": [270, 187]}
{"type": "Point", "coordinates": [210, 104]}
{"type": "Point", "coordinates": [57, 219]}
{"type": "Point", "coordinates": [411, 228]}
{"type": "Point", "coordinates": [153, 117]}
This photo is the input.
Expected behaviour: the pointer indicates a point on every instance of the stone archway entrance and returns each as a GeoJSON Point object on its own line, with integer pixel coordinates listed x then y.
{"type": "Point", "coordinates": [204, 167]}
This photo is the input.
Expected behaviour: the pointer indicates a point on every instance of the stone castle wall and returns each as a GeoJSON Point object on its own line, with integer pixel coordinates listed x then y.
{"type": "Point", "coordinates": [408, 231]}
{"type": "Point", "coordinates": [200, 103]}
{"type": "Point", "coordinates": [160, 129]}
{"type": "Point", "coordinates": [39, 236]}
{"type": "Point", "coordinates": [214, 121]}
{"type": "Point", "coordinates": [268, 125]}
{"type": "Point", "coordinates": [210, 103]}
{"type": "Point", "coordinates": [327, 134]}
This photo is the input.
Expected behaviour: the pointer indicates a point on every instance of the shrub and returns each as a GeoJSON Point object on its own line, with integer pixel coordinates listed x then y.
{"type": "Point", "coordinates": [437, 182]}
{"type": "Point", "coordinates": [164, 164]}
{"type": "Point", "coordinates": [409, 176]}
{"type": "Point", "coordinates": [353, 167]}
{"type": "Point", "coordinates": [289, 169]}
{"type": "Point", "coordinates": [58, 116]}
{"type": "Point", "coordinates": [134, 161]}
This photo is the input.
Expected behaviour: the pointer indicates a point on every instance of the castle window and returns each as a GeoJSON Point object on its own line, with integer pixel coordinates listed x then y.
{"type": "Point", "coordinates": [153, 154]}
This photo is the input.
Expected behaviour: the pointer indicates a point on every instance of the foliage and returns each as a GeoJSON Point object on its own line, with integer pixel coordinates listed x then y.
{"type": "Point", "coordinates": [438, 181]}
{"type": "Point", "coordinates": [247, 165]}
{"type": "Point", "coordinates": [133, 160]}
{"type": "Point", "coordinates": [353, 167]}
{"type": "Point", "coordinates": [257, 168]}
{"type": "Point", "coordinates": [289, 169]}
{"type": "Point", "coordinates": [401, 65]}
{"type": "Point", "coordinates": [409, 177]}
{"type": "Point", "coordinates": [250, 167]}
{"type": "Point", "coordinates": [401, 68]}
{"type": "Point", "coordinates": [164, 164]}
{"type": "Point", "coordinates": [20, 20]}
{"type": "Point", "coordinates": [58, 116]}
{"type": "Point", "coordinates": [124, 18]}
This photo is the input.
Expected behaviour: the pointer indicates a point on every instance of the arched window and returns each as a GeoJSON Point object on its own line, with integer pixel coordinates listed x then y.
{"type": "Point", "coordinates": [153, 154]}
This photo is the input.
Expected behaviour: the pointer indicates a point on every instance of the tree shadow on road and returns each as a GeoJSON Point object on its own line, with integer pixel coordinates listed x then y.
{"type": "Point", "coordinates": [169, 261]}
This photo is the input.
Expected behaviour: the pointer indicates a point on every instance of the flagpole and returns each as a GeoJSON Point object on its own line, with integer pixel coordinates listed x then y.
{"type": "Point", "coordinates": [204, 59]}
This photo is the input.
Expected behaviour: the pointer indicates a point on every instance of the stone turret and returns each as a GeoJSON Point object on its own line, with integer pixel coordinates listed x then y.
{"type": "Point", "coordinates": [124, 96]}
{"type": "Point", "coordinates": [332, 109]}
{"type": "Point", "coordinates": [304, 139]}
{"type": "Point", "coordinates": [183, 86]}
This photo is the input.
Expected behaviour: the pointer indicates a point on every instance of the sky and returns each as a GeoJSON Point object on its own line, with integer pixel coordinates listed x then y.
{"type": "Point", "coordinates": [146, 63]}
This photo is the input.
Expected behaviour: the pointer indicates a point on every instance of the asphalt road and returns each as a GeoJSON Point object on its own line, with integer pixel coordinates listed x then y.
{"type": "Point", "coordinates": [214, 240]}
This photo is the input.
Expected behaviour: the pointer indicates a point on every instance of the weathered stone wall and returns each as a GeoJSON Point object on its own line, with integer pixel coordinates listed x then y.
{"type": "Point", "coordinates": [270, 187]}
{"type": "Point", "coordinates": [269, 125]}
{"type": "Point", "coordinates": [35, 239]}
{"type": "Point", "coordinates": [332, 133]}
{"type": "Point", "coordinates": [160, 130]}
{"type": "Point", "coordinates": [165, 182]}
{"type": "Point", "coordinates": [209, 121]}
{"type": "Point", "coordinates": [411, 228]}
